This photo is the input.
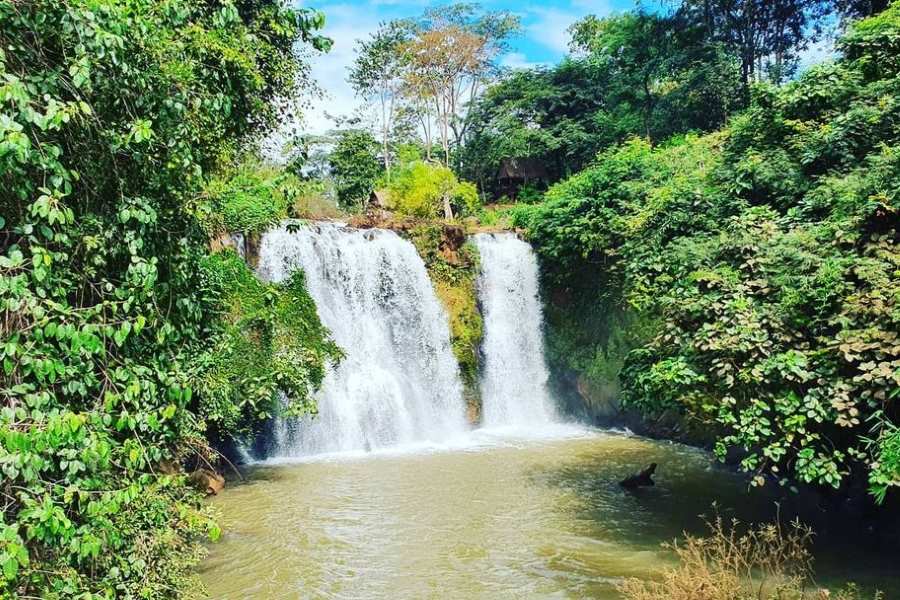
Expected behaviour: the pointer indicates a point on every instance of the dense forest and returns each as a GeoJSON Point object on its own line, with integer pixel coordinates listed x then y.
{"type": "Point", "coordinates": [124, 344]}
{"type": "Point", "coordinates": [716, 223]}
{"type": "Point", "coordinates": [755, 268]}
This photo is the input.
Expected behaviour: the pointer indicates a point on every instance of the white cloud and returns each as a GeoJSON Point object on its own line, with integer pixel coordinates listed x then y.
{"type": "Point", "coordinates": [818, 52]}
{"type": "Point", "coordinates": [549, 27]}
{"type": "Point", "coordinates": [518, 60]}
{"type": "Point", "coordinates": [345, 23]}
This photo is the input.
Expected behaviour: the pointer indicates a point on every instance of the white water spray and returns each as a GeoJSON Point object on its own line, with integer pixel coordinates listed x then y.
{"type": "Point", "coordinates": [514, 388]}
{"type": "Point", "coordinates": [399, 381]}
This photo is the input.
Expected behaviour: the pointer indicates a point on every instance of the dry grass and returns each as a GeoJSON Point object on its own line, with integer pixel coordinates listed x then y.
{"type": "Point", "coordinates": [770, 562]}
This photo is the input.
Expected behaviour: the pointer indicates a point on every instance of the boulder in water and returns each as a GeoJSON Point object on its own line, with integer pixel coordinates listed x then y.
{"type": "Point", "coordinates": [208, 481]}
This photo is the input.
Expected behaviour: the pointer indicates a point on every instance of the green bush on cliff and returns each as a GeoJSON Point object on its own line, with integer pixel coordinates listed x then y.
{"type": "Point", "coordinates": [247, 198]}
{"type": "Point", "coordinates": [768, 256]}
{"type": "Point", "coordinates": [114, 115]}
{"type": "Point", "coordinates": [270, 342]}
{"type": "Point", "coordinates": [420, 189]}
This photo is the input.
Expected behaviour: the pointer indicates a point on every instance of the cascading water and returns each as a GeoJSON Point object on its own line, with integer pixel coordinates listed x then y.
{"type": "Point", "coordinates": [399, 381]}
{"type": "Point", "coordinates": [514, 378]}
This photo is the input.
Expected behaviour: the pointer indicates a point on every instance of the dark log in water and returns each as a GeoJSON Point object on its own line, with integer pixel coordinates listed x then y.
{"type": "Point", "coordinates": [642, 479]}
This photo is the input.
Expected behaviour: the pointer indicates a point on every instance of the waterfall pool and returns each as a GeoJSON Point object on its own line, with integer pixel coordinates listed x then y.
{"type": "Point", "coordinates": [490, 515]}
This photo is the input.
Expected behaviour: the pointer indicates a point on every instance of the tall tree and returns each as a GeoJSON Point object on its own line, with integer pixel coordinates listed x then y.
{"type": "Point", "coordinates": [441, 61]}
{"type": "Point", "coordinates": [861, 8]}
{"type": "Point", "coordinates": [355, 167]}
{"type": "Point", "coordinates": [377, 73]}
{"type": "Point", "coordinates": [766, 35]}
{"type": "Point", "coordinates": [451, 57]}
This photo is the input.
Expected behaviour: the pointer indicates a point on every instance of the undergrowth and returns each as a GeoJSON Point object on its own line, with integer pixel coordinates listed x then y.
{"type": "Point", "coordinates": [767, 562]}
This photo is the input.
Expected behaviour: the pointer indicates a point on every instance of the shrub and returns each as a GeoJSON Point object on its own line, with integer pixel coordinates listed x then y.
{"type": "Point", "coordinates": [248, 199]}
{"type": "Point", "coordinates": [270, 343]}
{"type": "Point", "coordinates": [420, 189]}
{"type": "Point", "coordinates": [769, 562]}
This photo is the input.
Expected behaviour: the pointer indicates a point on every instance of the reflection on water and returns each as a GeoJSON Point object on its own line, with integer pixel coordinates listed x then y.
{"type": "Point", "coordinates": [497, 517]}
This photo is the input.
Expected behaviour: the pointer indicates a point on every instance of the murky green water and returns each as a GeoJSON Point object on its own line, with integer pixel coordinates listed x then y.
{"type": "Point", "coordinates": [494, 518]}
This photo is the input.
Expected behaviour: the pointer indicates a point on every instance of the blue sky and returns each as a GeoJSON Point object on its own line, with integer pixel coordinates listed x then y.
{"type": "Point", "coordinates": [543, 39]}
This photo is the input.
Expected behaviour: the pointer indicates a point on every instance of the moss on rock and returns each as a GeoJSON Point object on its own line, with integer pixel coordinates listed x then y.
{"type": "Point", "coordinates": [452, 264]}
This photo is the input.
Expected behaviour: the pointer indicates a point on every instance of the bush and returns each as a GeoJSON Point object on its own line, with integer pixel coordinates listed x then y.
{"type": "Point", "coordinates": [765, 563]}
{"type": "Point", "coordinates": [420, 188]}
{"type": "Point", "coordinates": [270, 343]}
{"type": "Point", "coordinates": [248, 199]}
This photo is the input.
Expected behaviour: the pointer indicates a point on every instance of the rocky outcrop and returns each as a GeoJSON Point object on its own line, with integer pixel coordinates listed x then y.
{"type": "Point", "coordinates": [246, 246]}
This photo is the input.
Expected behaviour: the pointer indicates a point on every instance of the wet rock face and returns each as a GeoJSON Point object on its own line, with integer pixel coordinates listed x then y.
{"type": "Point", "coordinates": [601, 400]}
{"type": "Point", "coordinates": [452, 239]}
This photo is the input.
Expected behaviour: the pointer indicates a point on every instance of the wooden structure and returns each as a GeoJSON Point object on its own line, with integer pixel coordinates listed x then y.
{"type": "Point", "coordinates": [516, 172]}
{"type": "Point", "coordinates": [378, 199]}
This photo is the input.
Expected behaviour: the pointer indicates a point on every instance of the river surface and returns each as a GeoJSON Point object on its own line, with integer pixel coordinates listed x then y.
{"type": "Point", "coordinates": [496, 515]}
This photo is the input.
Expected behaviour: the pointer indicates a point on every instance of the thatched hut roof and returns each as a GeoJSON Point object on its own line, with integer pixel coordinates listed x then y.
{"type": "Point", "coordinates": [378, 198]}
{"type": "Point", "coordinates": [522, 168]}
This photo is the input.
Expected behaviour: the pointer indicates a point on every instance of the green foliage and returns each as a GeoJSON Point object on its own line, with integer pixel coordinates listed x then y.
{"type": "Point", "coordinates": [886, 468]}
{"type": "Point", "coordinates": [355, 167]}
{"type": "Point", "coordinates": [767, 257]}
{"type": "Point", "coordinates": [633, 74]}
{"type": "Point", "coordinates": [422, 188]}
{"type": "Point", "coordinates": [271, 343]}
{"type": "Point", "coordinates": [247, 199]}
{"type": "Point", "coordinates": [113, 114]}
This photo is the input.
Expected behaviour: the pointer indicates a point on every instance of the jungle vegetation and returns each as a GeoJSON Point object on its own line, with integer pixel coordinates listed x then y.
{"type": "Point", "coordinates": [124, 132]}
{"type": "Point", "coordinates": [719, 239]}
{"type": "Point", "coordinates": [749, 278]}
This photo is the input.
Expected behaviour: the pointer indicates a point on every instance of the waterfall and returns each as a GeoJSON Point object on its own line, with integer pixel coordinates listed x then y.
{"type": "Point", "coordinates": [514, 377]}
{"type": "Point", "coordinates": [399, 381]}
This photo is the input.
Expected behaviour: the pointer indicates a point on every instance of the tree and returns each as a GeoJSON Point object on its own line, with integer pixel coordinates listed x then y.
{"type": "Point", "coordinates": [450, 58]}
{"type": "Point", "coordinates": [664, 67]}
{"type": "Point", "coordinates": [633, 74]}
{"type": "Point", "coordinates": [377, 72]}
{"type": "Point", "coordinates": [114, 116]}
{"type": "Point", "coordinates": [554, 115]}
{"type": "Point", "coordinates": [355, 166]}
{"type": "Point", "coordinates": [861, 8]}
{"type": "Point", "coordinates": [766, 35]}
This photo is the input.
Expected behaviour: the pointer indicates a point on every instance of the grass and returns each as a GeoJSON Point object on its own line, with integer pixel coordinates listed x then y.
{"type": "Point", "coordinates": [769, 562]}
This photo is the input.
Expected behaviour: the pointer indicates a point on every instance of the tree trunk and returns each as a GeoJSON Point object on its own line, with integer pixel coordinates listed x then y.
{"type": "Point", "coordinates": [448, 210]}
